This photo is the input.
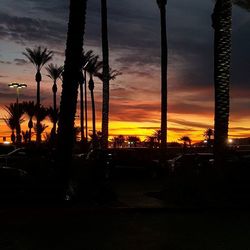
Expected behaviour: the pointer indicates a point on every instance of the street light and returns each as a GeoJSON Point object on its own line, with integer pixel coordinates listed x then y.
{"type": "Point", "coordinates": [17, 86]}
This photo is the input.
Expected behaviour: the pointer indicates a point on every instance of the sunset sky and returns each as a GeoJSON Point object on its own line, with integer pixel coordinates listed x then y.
{"type": "Point", "coordinates": [134, 37]}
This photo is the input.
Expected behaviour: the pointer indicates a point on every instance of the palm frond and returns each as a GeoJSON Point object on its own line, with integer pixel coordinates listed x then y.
{"type": "Point", "coordinates": [38, 56]}
{"type": "Point", "coordinates": [54, 71]}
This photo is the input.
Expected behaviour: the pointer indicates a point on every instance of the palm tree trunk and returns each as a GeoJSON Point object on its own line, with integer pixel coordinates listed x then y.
{"type": "Point", "coordinates": [86, 106]}
{"type": "Point", "coordinates": [72, 68]}
{"type": "Point", "coordinates": [38, 80]}
{"type": "Point", "coordinates": [105, 53]}
{"type": "Point", "coordinates": [54, 89]}
{"type": "Point", "coordinates": [81, 110]}
{"type": "Point", "coordinates": [164, 58]}
{"type": "Point", "coordinates": [91, 88]}
{"type": "Point", "coordinates": [222, 24]}
{"type": "Point", "coordinates": [30, 125]}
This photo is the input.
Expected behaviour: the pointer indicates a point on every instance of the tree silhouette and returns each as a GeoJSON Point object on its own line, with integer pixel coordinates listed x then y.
{"type": "Point", "coordinates": [208, 134]}
{"type": "Point", "coordinates": [133, 140]}
{"type": "Point", "coordinates": [40, 115]}
{"type": "Point", "coordinates": [71, 78]}
{"type": "Point", "coordinates": [86, 57]}
{"type": "Point", "coordinates": [38, 57]}
{"type": "Point", "coordinates": [53, 115]}
{"type": "Point", "coordinates": [118, 141]}
{"type": "Point", "coordinates": [164, 58]}
{"type": "Point", "coordinates": [54, 73]}
{"type": "Point", "coordinates": [15, 113]}
{"type": "Point", "coordinates": [186, 141]}
{"type": "Point", "coordinates": [105, 72]}
{"type": "Point", "coordinates": [11, 123]}
{"type": "Point", "coordinates": [93, 68]}
{"type": "Point", "coordinates": [30, 109]}
{"type": "Point", "coordinates": [222, 24]}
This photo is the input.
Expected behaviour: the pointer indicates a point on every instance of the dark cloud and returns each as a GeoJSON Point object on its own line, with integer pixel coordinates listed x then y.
{"type": "Point", "coordinates": [5, 62]}
{"type": "Point", "coordinates": [20, 62]}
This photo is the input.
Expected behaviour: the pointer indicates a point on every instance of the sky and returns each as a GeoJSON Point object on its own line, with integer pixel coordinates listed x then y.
{"type": "Point", "coordinates": [134, 39]}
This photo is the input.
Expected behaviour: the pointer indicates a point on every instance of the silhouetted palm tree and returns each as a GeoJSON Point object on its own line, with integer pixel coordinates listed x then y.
{"type": "Point", "coordinates": [133, 140]}
{"type": "Point", "coordinates": [39, 57]}
{"type": "Point", "coordinates": [40, 115]}
{"type": "Point", "coordinates": [93, 68]}
{"type": "Point", "coordinates": [30, 109]}
{"type": "Point", "coordinates": [222, 24]}
{"type": "Point", "coordinates": [71, 77]}
{"type": "Point", "coordinates": [15, 112]}
{"type": "Point", "coordinates": [164, 59]}
{"type": "Point", "coordinates": [86, 57]}
{"type": "Point", "coordinates": [186, 140]}
{"type": "Point", "coordinates": [245, 4]}
{"type": "Point", "coordinates": [54, 73]}
{"type": "Point", "coordinates": [11, 123]}
{"type": "Point", "coordinates": [105, 72]}
{"type": "Point", "coordinates": [53, 115]}
{"type": "Point", "coordinates": [208, 134]}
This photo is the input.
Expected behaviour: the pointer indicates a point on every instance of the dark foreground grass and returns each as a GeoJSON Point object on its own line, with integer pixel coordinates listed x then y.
{"type": "Point", "coordinates": [45, 229]}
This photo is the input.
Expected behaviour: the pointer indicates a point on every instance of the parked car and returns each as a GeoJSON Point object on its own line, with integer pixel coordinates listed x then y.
{"type": "Point", "coordinates": [193, 163]}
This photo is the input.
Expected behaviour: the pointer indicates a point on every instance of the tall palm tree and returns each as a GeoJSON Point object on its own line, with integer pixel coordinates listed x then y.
{"type": "Point", "coordinates": [15, 112]}
{"type": "Point", "coordinates": [222, 24]}
{"type": "Point", "coordinates": [30, 109]}
{"type": "Point", "coordinates": [86, 57]}
{"type": "Point", "coordinates": [105, 56]}
{"type": "Point", "coordinates": [54, 73]}
{"type": "Point", "coordinates": [40, 115]}
{"type": "Point", "coordinates": [93, 68]}
{"type": "Point", "coordinates": [164, 60]}
{"type": "Point", "coordinates": [71, 76]}
{"type": "Point", "coordinates": [53, 115]}
{"type": "Point", "coordinates": [38, 57]}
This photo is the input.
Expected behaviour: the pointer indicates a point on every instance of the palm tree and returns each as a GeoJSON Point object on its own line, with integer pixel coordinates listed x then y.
{"type": "Point", "coordinates": [30, 109]}
{"type": "Point", "coordinates": [54, 73]}
{"type": "Point", "coordinates": [71, 75]}
{"type": "Point", "coordinates": [86, 57]}
{"type": "Point", "coordinates": [53, 115]}
{"type": "Point", "coordinates": [186, 140]}
{"type": "Point", "coordinates": [11, 123]}
{"type": "Point", "coordinates": [38, 57]}
{"type": "Point", "coordinates": [164, 58]}
{"type": "Point", "coordinates": [93, 68]}
{"type": "Point", "coordinates": [222, 24]}
{"type": "Point", "coordinates": [40, 115]}
{"type": "Point", "coordinates": [133, 140]}
{"type": "Point", "coordinates": [245, 4]}
{"type": "Point", "coordinates": [208, 134]}
{"type": "Point", "coordinates": [15, 112]}
{"type": "Point", "coordinates": [40, 128]}
{"type": "Point", "coordinates": [106, 78]}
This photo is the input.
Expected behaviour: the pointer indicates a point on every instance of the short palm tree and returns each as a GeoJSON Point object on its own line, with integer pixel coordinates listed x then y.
{"type": "Point", "coordinates": [86, 57]}
{"type": "Point", "coordinates": [54, 73]}
{"type": "Point", "coordinates": [164, 60]}
{"type": "Point", "coordinates": [133, 140]}
{"type": "Point", "coordinates": [38, 57]}
{"type": "Point", "coordinates": [40, 115]}
{"type": "Point", "coordinates": [93, 68]}
{"type": "Point", "coordinates": [222, 24]}
{"type": "Point", "coordinates": [10, 122]}
{"type": "Point", "coordinates": [53, 115]}
{"type": "Point", "coordinates": [15, 112]}
{"type": "Point", "coordinates": [208, 134]}
{"type": "Point", "coordinates": [186, 141]}
{"type": "Point", "coordinates": [30, 109]}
